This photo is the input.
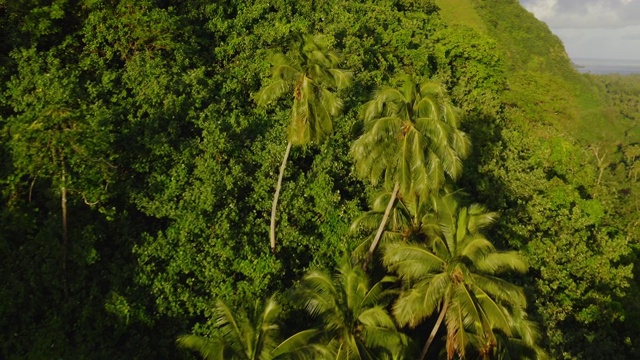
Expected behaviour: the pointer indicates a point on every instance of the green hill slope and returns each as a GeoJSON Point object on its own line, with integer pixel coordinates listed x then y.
{"type": "Point", "coordinates": [560, 169]}
{"type": "Point", "coordinates": [540, 70]}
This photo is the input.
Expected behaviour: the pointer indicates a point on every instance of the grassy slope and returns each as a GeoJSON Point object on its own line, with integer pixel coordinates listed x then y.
{"type": "Point", "coordinates": [460, 12]}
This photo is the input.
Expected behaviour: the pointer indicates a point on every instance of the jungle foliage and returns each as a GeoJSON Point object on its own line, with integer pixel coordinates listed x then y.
{"type": "Point", "coordinates": [138, 175]}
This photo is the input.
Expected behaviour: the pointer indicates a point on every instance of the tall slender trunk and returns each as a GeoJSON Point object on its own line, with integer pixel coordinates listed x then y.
{"type": "Point", "coordinates": [274, 206]}
{"type": "Point", "coordinates": [63, 205]}
{"type": "Point", "coordinates": [434, 331]}
{"type": "Point", "coordinates": [383, 224]}
{"type": "Point", "coordinates": [65, 232]}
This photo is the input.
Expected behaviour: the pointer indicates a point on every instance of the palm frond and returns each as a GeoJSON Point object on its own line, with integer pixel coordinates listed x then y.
{"type": "Point", "coordinates": [341, 78]}
{"type": "Point", "coordinates": [411, 262]}
{"type": "Point", "coordinates": [300, 346]}
{"type": "Point", "coordinates": [431, 87]}
{"type": "Point", "coordinates": [377, 317]}
{"type": "Point", "coordinates": [368, 221]}
{"type": "Point", "coordinates": [319, 292]}
{"type": "Point", "coordinates": [232, 329]}
{"type": "Point", "coordinates": [440, 248]}
{"type": "Point", "coordinates": [461, 229]}
{"type": "Point", "coordinates": [382, 338]}
{"type": "Point", "coordinates": [499, 262]}
{"type": "Point", "coordinates": [329, 102]}
{"type": "Point", "coordinates": [428, 106]}
{"type": "Point", "coordinates": [461, 143]}
{"type": "Point", "coordinates": [494, 315]}
{"type": "Point", "coordinates": [299, 131]}
{"type": "Point", "coordinates": [355, 284]}
{"type": "Point", "coordinates": [420, 301]}
{"type": "Point", "coordinates": [378, 292]}
{"type": "Point", "coordinates": [457, 337]}
{"type": "Point", "coordinates": [209, 349]}
{"type": "Point", "coordinates": [480, 218]}
{"type": "Point", "coordinates": [272, 92]}
{"type": "Point", "coordinates": [499, 289]}
{"type": "Point", "coordinates": [408, 309]}
{"type": "Point", "coordinates": [466, 301]}
{"type": "Point", "coordinates": [476, 248]}
{"type": "Point", "coordinates": [264, 321]}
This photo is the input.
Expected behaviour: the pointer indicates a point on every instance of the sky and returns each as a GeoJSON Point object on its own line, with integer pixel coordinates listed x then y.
{"type": "Point", "coordinates": [594, 29]}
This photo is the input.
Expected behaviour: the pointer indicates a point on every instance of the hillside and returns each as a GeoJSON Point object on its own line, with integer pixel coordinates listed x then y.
{"type": "Point", "coordinates": [142, 143]}
{"type": "Point", "coordinates": [566, 152]}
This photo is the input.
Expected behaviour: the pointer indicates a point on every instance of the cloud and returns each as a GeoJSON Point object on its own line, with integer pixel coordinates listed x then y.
{"type": "Point", "coordinates": [583, 14]}
{"type": "Point", "coordinates": [632, 37]}
{"type": "Point", "coordinates": [614, 43]}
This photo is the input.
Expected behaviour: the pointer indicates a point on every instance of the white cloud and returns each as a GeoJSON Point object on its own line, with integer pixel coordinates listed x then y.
{"type": "Point", "coordinates": [581, 14]}
{"type": "Point", "coordinates": [543, 9]}
{"type": "Point", "coordinates": [619, 43]}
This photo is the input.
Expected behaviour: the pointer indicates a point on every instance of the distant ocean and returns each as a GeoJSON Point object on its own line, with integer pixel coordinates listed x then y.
{"type": "Point", "coordinates": [606, 66]}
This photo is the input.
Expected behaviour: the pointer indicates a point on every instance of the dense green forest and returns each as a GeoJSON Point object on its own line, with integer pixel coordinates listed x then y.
{"type": "Point", "coordinates": [333, 179]}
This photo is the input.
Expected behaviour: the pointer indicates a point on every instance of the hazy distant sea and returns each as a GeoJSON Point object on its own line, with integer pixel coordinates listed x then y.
{"type": "Point", "coordinates": [606, 66]}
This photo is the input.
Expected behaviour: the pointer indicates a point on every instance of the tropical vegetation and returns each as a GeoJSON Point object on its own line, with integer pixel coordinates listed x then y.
{"type": "Point", "coordinates": [144, 169]}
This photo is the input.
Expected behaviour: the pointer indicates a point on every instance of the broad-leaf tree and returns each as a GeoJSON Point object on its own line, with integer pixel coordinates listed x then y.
{"type": "Point", "coordinates": [353, 313]}
{"type": "Point", "coordinates": [308, 73]}
{"type": "Point", "coordinates": [255, 336]}
{"type": "Point", "coordinates": [58, 136]}
{"type": "Point", "coordinates": [456, 274]}
{"type": "Point", "coordinates": [412, 140]}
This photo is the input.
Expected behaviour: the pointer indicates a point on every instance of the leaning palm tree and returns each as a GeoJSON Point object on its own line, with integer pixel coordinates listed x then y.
{"type": "Point", "coordinates": [355, 321]}
{"type": "Point", "coordinates": [241, 336]}
{"type": "Point", "coordinates": [308, 73]}
{"type": "Point", "coordinates": [456, 274]}
{"type": "Point", "coordinates": [412, 140]}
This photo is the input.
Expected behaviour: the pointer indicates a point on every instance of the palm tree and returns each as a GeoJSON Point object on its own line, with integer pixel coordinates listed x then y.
{"type": "Point", "coordinates": [456, 273]}
{"type": "Point", "coordinates": [255, 337]}
{"type": "Point", "coordinates": [412, 218]}
{"type": "Point", "coordinates": [309, 72]}
{"type": "Point", "coordinates": [411, 140]}
{"type": "Point", "coordinates": [355, 322]}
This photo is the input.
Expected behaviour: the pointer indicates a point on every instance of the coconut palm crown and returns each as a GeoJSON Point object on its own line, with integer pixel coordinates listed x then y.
{"type": "Point", "coordinates": [355, 322]}
{"type": "Point", "coordinates": [309, 73]}
{"type": "Point", "coordinates": [411, 137]}
{"type": "Point", "coordinates": [254, 336]}
{"type": "Point", "coordinates": [456, 274]}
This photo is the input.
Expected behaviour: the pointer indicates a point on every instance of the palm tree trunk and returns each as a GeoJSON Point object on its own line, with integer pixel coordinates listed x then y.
{"type": "Point", "coordinates": [383, 224]}
{"type": "Point", "coordinates": [65, 231]}
{"type": "Point", "coordinates": [272, 230]}
{"type": "Point", "coordinates": [434, 331]}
